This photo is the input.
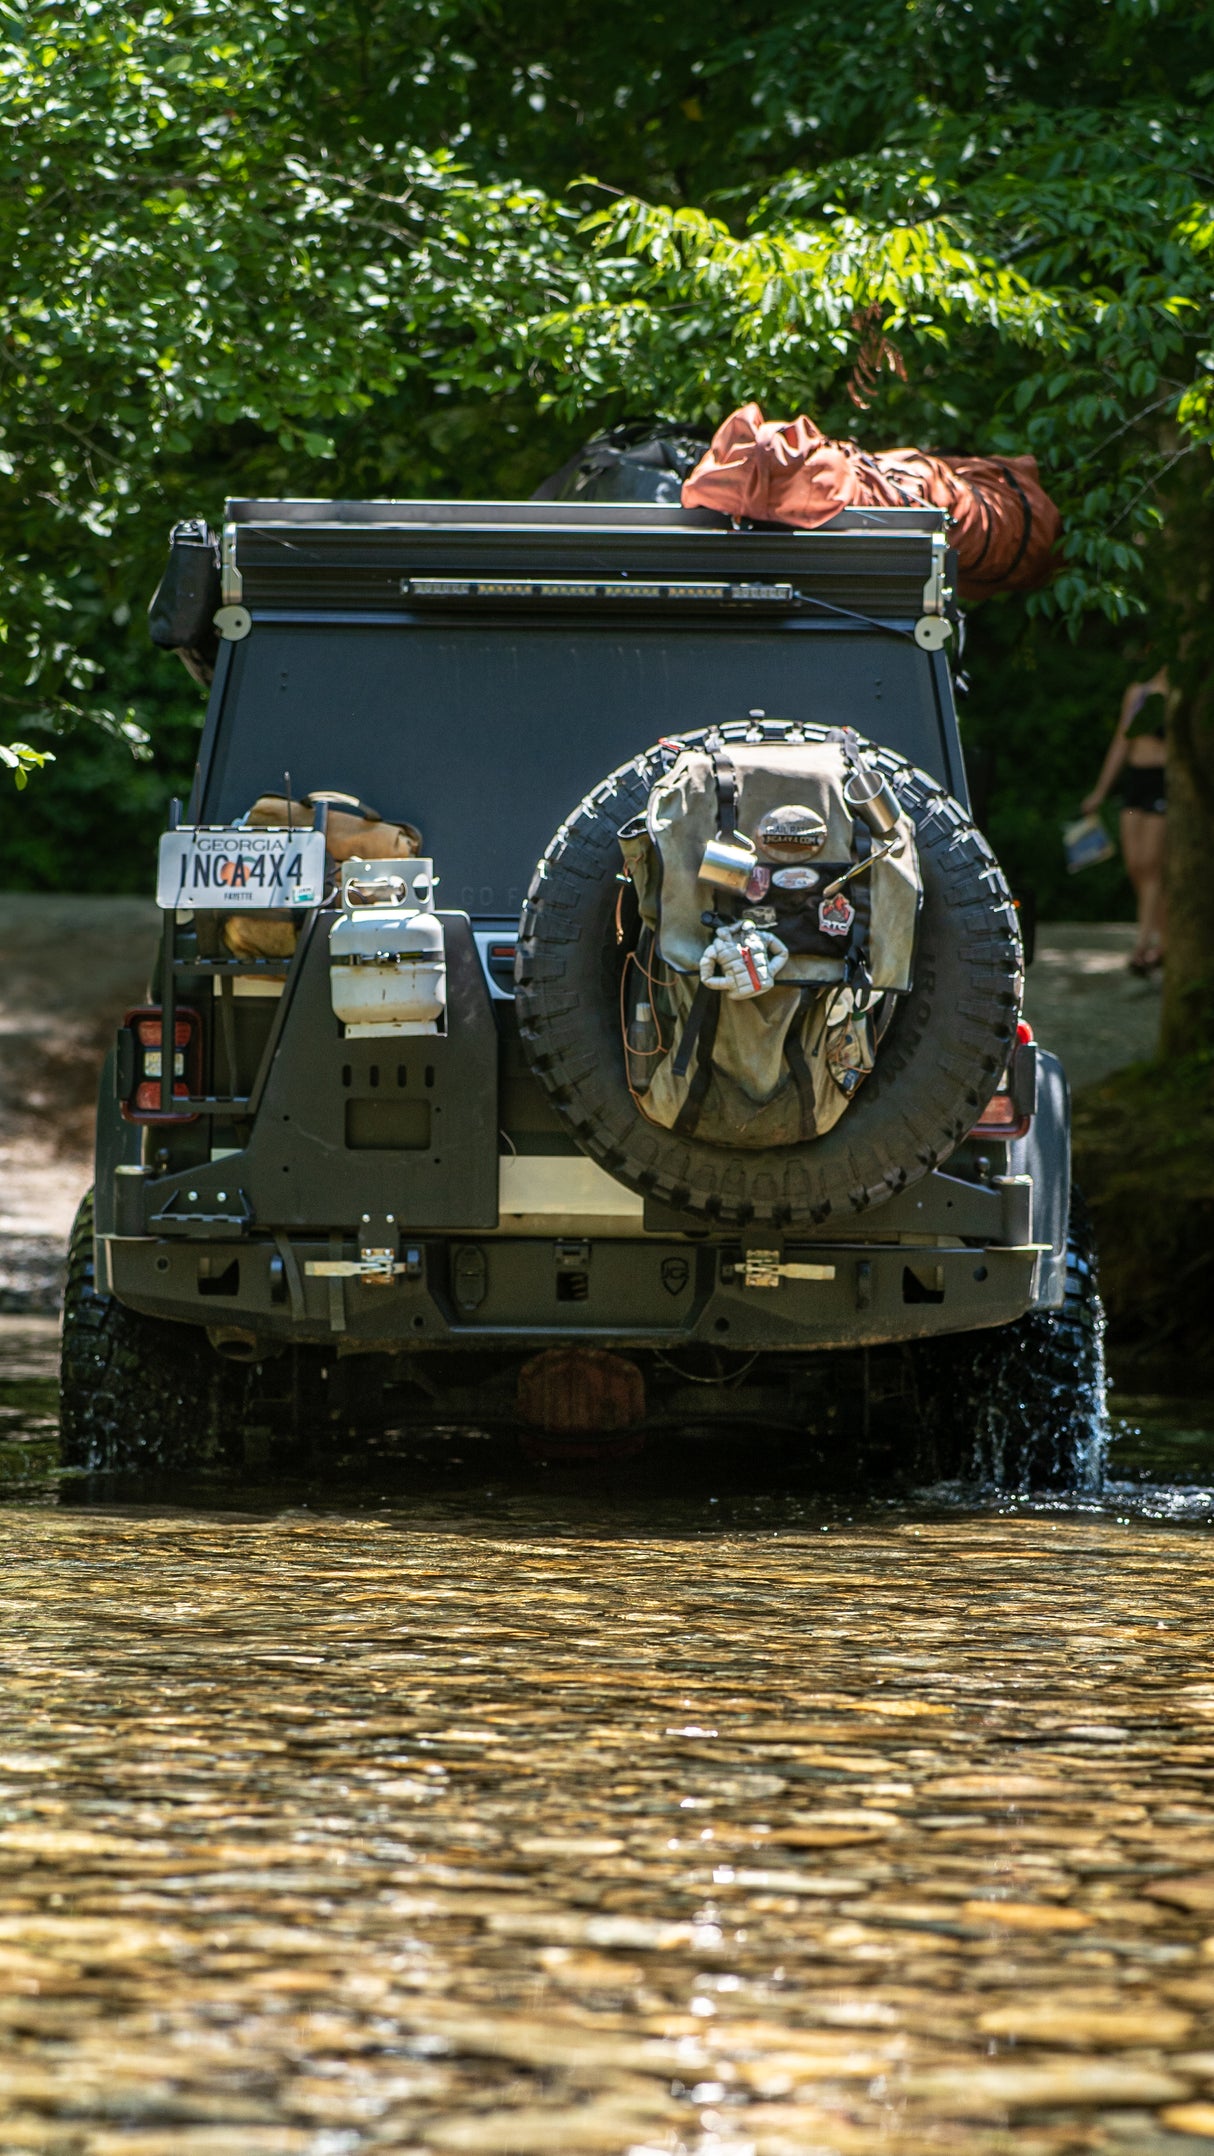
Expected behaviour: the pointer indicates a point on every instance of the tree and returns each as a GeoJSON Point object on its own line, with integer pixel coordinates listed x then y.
{"type": "Point", "coordinates": [346, 249]}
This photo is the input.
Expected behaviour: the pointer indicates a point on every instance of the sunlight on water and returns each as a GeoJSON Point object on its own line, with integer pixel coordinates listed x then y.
{"type": "Point", "coordinates": [648, 1810]}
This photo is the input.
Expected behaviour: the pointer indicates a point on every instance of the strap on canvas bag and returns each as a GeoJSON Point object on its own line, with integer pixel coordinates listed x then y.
{"type": "Point", "coordinates": [726, 775]}
{"type": "Point", "coordinates": [704, 1035]}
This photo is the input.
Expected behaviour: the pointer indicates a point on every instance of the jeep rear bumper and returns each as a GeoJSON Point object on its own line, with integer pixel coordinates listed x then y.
{"type": "Point", "coordinates": [528, 1292]}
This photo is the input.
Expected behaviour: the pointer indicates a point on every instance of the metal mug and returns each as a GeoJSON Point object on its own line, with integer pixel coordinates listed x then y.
{"type": "Point", "coordinates": [873, 798]}
{"type": "Point", "coordinates": [728, 863]}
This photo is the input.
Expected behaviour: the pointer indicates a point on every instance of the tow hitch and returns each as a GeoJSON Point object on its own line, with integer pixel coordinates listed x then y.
{"type": "Point", "coordinates": [378, 1266]}
{"type": "Point", "coordinates": [766, 1269]}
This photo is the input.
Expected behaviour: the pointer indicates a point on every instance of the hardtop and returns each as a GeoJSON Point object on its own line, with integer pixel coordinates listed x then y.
{"type": "Point", "coordinates": [477, 667]}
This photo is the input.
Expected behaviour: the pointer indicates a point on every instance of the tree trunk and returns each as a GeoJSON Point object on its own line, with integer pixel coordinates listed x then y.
{"type": "Point", "coordinates": [1187, 559]}
{"type": "Point", "coordinates": [1187, 1022]}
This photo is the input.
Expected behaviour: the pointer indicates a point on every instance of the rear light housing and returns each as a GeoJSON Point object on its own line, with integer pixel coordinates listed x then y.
{"type": "Point", "coordinates": [1010, 1110]}
{"type": "Point", "coordinates": [139, 1063]}
{"type": "Point", "coordinates": [499, 957]}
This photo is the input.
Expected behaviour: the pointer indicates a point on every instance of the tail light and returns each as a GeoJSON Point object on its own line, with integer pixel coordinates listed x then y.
{"type": "Point", "coordinates": [1001, 1118]}
{"type": "Point", "coordinates": [140, 1063]}
{"type": "Point", "coordinates": [500, 960]}
{"type": "Point", "coordinates": [1010, 1110]}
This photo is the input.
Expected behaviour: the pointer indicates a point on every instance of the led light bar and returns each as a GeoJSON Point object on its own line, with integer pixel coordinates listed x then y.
{"type": "Point", "coordinates": [587, 588]}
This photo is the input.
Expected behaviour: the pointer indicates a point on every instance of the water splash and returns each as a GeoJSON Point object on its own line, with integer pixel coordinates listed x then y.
{"type": "Point", "coordinates": [1093, 1433]}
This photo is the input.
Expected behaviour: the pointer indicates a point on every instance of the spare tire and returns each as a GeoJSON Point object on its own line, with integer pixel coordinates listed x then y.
{"type": "Point", "coordinates": [940, 1058]}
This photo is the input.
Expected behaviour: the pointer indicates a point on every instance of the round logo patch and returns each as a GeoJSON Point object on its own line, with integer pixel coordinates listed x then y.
{"type": "Point", "coordinates": [791, 833]}
{"type": "Point", "coordinates": [796, 879]}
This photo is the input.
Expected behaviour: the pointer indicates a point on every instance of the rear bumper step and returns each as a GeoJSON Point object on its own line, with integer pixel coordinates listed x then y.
{"type": "Point", "coordinates": [528, 1291]}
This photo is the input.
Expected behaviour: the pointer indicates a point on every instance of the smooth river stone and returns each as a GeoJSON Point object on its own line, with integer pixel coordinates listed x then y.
{"type": "Point", "coordinates": [1190, 2119]}
{"type": "Point", "coordinates": [984, 2091]}
{"type": "Point", "coordinates": [1004, 1788]}
{"type": "Point", "coordinates": [1114, 2028]}
{"type": "Point", "coordinates": [1195, 1892]}
{"type": "Point", "coordinates": [1024, 1916]}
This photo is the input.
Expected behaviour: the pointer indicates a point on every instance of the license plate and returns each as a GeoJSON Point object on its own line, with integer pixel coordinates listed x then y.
{"type": "Point", "coordinates": [216, 867]}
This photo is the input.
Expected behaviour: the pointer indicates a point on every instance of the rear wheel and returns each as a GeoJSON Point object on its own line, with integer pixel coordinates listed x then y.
{"type": "Point", "coordinates": [1024, 1406]}
{"type": "Point", "coordinates": [135, 1392]}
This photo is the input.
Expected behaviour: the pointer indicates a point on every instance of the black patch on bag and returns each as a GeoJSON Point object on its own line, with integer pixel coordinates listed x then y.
{"type": "Point", "coordinates": [796, 914]}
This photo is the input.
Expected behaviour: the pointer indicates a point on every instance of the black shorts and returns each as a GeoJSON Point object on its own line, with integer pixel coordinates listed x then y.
{"type": "Point", "coordinates": [1144, 786]}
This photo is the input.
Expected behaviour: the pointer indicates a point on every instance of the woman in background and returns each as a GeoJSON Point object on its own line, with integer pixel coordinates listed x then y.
{"type": "Point", "coordinates": [1136, 765]}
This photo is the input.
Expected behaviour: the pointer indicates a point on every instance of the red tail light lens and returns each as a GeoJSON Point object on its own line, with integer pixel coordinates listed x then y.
{"type": "Point", "coordinates": [1009, 1112]}
{"type": "Point", "coordinates": [140, 1063]}
{"type": "Point", "coordinates": [1000, 1119]}
{"type": "Point", "coordinates": [500, 960]}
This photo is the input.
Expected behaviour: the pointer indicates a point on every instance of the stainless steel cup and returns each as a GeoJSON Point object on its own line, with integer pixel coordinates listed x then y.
{"type": "Point", "coordinates": [873, 798]}
{"type": "Point", "coordinates": [728, 863]}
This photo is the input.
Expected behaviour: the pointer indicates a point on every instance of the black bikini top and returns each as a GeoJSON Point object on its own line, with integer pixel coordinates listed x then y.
{"type": "Point", "coordinates": [1150, 718]}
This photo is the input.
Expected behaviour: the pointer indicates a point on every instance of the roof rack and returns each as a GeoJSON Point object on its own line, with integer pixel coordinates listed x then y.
{"type": "Point", "coordinates": [556, 516]}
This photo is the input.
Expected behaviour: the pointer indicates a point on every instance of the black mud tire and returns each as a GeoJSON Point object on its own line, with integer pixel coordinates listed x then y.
{"type": "Point", "coordinates": [136, 1394]}
{"type": "Point", "coordinates": [940, 1059]}
{"type": "Point", "coordinates": [1023, 1407]}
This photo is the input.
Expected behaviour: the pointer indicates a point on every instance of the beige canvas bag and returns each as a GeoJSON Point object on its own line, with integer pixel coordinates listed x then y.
{"type": "Point", "coordinates": [353, 832]}
{"type": "Point", "coordinates": [779, 1067]}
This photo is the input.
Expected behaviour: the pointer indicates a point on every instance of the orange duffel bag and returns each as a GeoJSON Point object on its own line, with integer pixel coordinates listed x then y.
{"type": "Point", "coordinates": [352, 832]}
{"type": "Point", "coordinates": [1003, 524]}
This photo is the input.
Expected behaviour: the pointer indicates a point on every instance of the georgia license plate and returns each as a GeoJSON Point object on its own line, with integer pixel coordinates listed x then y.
{"type": "Point", "coordinates": [228, 868]}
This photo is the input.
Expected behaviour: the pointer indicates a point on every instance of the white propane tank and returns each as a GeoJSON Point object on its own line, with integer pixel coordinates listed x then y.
{"type": "Point", "coordinates": [387, 966]}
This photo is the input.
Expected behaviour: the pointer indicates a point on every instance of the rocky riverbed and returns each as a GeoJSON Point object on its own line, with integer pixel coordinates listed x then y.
{"type": "Point", "coordinates": [662, 1810]}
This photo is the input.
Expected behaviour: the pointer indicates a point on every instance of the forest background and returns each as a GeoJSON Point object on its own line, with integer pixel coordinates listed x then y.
{"type": "Point", "coordinates": [411, 247]}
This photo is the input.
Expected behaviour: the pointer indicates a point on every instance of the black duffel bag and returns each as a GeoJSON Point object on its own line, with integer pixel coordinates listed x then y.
{"type": "Point", "coordinates": [645, 460]}
{"type": "Point", "coordinates": [181, 616]}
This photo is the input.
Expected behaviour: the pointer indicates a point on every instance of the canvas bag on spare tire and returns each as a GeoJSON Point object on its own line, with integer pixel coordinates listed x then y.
{"type": "Point", "coordinates": [781, 1067]}
{"type": "Point", "coordinates": [941, 1052]}
{"type": "Point", "coordinates": [353, 831]}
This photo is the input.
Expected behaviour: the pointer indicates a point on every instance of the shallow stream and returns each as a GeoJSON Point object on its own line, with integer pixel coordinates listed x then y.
{"type": "Point", "coordinates": [628, 1810]}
